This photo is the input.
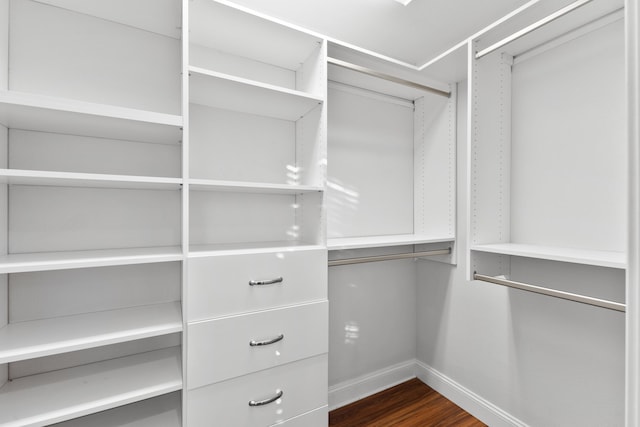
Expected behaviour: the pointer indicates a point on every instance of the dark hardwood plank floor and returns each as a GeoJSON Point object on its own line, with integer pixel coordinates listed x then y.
{"type": "Point", "coordinates": [410, 404]}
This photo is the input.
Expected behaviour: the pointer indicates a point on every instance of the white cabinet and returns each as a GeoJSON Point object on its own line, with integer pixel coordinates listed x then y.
{"type": "Point", "coordinates": [257, 260]}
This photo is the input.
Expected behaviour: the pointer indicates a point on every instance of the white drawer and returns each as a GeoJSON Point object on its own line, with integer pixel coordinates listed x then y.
{"type": "Point", "coordinates": [220, 349]}
{"type": "Point", "coordinates": [316, 418]}
{"type": "Point", "coordinates": [219, 285]}
{"type": "Point", "coordinates": [304, 387]}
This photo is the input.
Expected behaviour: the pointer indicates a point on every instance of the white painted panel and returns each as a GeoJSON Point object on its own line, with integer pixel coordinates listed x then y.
{"type": "Point", "coordinates": [215, 25]}
{"type": "Point", "coordinates": [569, 144]}
{"type": "Point", "coordinates": [219, 285]}
{"type": "Point", "coordinates": [236, 218]}
{"type": "Point", "coordinates": [70, 153]}
{"type": "Point", "coordinates": [110, 64]}
{"type": "Point", "coordinates": [303, 384]}
{"type": "Point", "coordinates": [311, 213]}
{"type": "Point", "coordinates": [311, 148]}
{"type": "Point", "coordinates": [165, 18]}
{"type": "Point", "coordinates": [372, 318]}
{"type": "Point", "coordinates": [490, 159]}
{"type": "Point", "coordinates": [370, 166]}
{"type": "Point", "coordinates": [161, 411]}
{"type": "Point", "coordinates": [240, 147]}
{"type": "Point", "coordinates": [4, 44]}
{"type": "Point", "coordinates": [435, 165]}
{"type": "Point", "coordinates": [46, 219]}
{"type": "Point", "coordinates": [83, 357]}
{"type": "Point", "coordinates": [219, 349]}
{"type": "Point", "coordinates": [212, 59]}
{"type": "Point", "coordinates": [312, 75]}
{"type": "Point", "coordinates": [47, 294]}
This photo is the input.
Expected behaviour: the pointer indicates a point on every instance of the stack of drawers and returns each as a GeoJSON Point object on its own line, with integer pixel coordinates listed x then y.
{"type": "Point", "coordinates": [257, 339]}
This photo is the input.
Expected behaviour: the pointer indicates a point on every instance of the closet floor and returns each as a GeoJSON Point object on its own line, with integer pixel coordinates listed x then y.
{"type": "Point", "coordinates": [410, 404]}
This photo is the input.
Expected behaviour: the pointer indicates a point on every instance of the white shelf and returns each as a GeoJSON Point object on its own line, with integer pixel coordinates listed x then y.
{"type": "Point", "coordinates": [196, 251]}
{"type": "Point", "coordinates": [38, 338]}
{"type": "Point", "coordinates": [69, 393]}
{"type": "Point", "coordinates": [250, 187]}
{"type": "Point", "coordinates": [383, 241]}
{"type": "Point", "coordinates": [578, 256]}
{"type": "Point", "coordinates": [20, 263]}
{"type": "Point", "coordinates": [228, 92]}
{"type": "Point", "coordinates": [58, 115]}
{"type": "Point", "coordinates": [73, 179]}
{"type": "Point", "coordinates": [161, 411]}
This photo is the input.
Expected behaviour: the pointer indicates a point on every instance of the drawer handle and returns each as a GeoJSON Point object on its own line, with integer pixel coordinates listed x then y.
{"type": "Point", "coordinates": [253, 343]}
{"type": "Point", "coordinates": [266, 401]}
{"type": "Point", "coordinates": [265, 282]}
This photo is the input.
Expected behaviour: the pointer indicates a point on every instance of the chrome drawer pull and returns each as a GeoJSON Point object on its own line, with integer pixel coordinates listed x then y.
{"type": "Point", "coordinates": [253, 343]}
{"type": "Point", "coordinates": [265, 282]}
{"type": "Point", "coordinates": [266, 401]}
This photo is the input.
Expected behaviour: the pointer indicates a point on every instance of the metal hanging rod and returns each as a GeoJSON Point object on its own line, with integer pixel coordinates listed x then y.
{"type": "Point", "coordinates": [376, 258]}
{"type": "Point", "coordinates": [611, 305]}
{"type": "Point", "coordinates": [374, 73]}
{"type": "Point", "coordinates": [532, 27]}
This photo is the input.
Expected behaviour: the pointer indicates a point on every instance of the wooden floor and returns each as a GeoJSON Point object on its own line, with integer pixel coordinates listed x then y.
{"type": "Point", "coordinates": [410, 404]}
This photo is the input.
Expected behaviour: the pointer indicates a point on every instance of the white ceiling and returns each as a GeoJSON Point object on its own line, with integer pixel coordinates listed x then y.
{"type": "Point", "coordinates": [415, 33]}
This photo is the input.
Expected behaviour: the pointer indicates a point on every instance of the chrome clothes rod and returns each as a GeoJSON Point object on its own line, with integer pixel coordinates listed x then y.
{"type": "Point", "coordinates": [370, 72]}
{"type": "Point", "coordinates": [532, 27]}
{"type": "Point", "coordinates": [611, 305]}
{"type": "Point", "coordinates": [376, 258]}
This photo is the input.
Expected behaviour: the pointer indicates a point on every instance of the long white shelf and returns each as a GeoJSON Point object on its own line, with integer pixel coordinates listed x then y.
{"type": "Point", "coordinates": [41, 261]}
{"type": "Point", "coordinates": [38, 338]}
{"type": "Point", "coordinates": [577, 256]}
{"type": "Point", "coordinates": [59, 115]}
{"type": "Point", "coordinates": [382, 241]}
{"type": "Point", "coordinates": [250, 187]}
{"type": "Point", "coordinates": [161, 411]}
{"type": "Point", "coordinates": [74, 179]}
{"type": "Point", "coordinates": [196, 251]}
{"type": "Point", "coordinates": [56, 396]}
{"type": "Point", "coordinates": [219, 90]}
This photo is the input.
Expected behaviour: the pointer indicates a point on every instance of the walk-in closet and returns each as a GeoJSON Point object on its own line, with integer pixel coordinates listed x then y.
{"type": "Point", "coordinates": [241, 213]}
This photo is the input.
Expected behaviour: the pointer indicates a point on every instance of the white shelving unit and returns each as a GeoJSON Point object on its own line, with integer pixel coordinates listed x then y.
{"type": "Point", "coordinates": [256, 180]}
{"type": "Point", "coordinates": [91, 179]}
{"type": "Point", "coordinates": [403, 141]}
{"type": "Point", "coordinates": [544, 186]}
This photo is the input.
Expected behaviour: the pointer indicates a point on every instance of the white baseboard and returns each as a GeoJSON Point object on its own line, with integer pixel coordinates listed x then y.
{"type": "Point", "coordinates": [347, 392]}
{"type": "Point", "coordinates": [480, 408]}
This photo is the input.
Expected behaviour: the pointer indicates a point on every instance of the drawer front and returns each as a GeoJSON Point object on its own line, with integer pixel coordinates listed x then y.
{"type": "Point", "coordinates": [304, 387]}
{"type": "Point", "coordinates": [219, 285]}
{"type": "Point", "coordinates": [220, 349]}
{"type": "Point", "coordinates": [317, 418]}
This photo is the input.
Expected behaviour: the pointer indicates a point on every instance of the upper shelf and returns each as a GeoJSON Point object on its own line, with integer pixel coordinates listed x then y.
{"type": "Point", "coordinates": [38, 338]}
{"type": "Point", "coordinates": [214, 24]}
{"type": "Point", "coordinates": [58, 115]}
{"type": "Point", "coordinates": [61, 395]}
{"type": "Point", "coordinates": [228, 92]}
{"type": "Point", "coordinates": [383, 241]}
{"type": "Point", "coordinates": [73, 179]}
{"type": "Point", "coordinates": [578, 256]}
{"type": "Point", "coordinates": [21, 263]}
